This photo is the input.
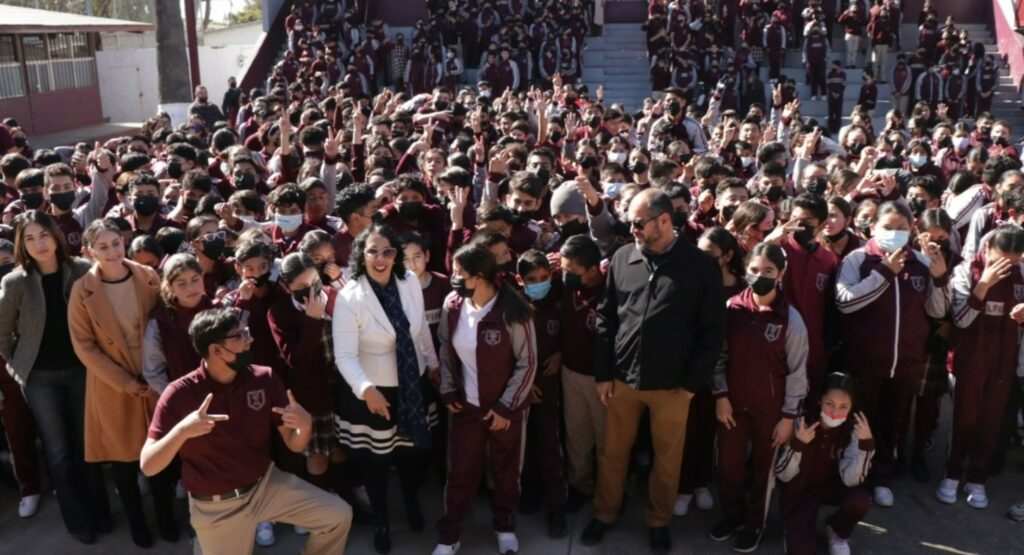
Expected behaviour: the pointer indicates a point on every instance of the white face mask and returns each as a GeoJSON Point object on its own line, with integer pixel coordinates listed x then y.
{"type": "Point", "coordinates": [831, 422]}
{"type": "Point", "coordinates": [616, 157]}
{"type": "Point", "coordinates": [288, 223]}
{"type": "Point", "coordinates": [962, 142]}
{"type": "Point", "coordinates": [917, 160]}
{"type": "Point", "coordinates": [747, 161]}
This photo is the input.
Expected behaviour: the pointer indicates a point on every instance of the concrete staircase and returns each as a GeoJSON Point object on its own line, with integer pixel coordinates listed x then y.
{"type": "Point", "coordinates": [618, 60]}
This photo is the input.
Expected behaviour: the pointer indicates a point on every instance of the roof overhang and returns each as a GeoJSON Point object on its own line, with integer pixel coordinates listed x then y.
{"type": "Point", "coordinates": [18, 20]}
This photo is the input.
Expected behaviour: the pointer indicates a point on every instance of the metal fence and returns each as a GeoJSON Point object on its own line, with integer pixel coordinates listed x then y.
{"type": "Point", "coordinates": [53, 62]}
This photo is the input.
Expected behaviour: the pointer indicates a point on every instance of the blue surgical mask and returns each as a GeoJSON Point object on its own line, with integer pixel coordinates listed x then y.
{"type": "Point", "coordinates": [288, 223]}
{"type": "Point", "coordinates": [537, 291]}
{"type": "Point", "coordinates": [918, 160]}
{"type": "Point", "coordinates": [891, 240]}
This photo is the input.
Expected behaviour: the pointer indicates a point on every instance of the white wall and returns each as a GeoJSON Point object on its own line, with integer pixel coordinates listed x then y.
{"type": "Point", "coordinates": [235, 34]}
{"type": "Point", "coordinates": [128, 78]}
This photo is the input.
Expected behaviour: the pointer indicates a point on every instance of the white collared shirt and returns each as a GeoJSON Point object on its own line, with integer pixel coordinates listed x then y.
{"type": "Point", "coordinates": [464, 342]}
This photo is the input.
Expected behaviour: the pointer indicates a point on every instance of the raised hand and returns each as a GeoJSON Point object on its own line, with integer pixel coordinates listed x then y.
{"type": "Point", "coordinates": [804, 432]}
{"type": "Point", "coordinates": [198, 422]}
{"type": "Point", "coordinates": [861, 427]}
{"type": "Point", "coordinates": [895, 260]}
{"type": "Point", "coordinates": [294, 416]}
{"type": "Point", "coordinates": [315, 306]}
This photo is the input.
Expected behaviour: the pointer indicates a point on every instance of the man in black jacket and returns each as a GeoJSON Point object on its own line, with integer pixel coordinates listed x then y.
{"type": "Point", "coordinates": [659, 332]}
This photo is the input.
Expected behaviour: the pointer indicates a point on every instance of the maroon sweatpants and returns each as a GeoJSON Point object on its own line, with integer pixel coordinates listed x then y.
{"type": "Point", "coordinates": [745, 501]}
{"type": "Point", "coordinates": [800, 516]}
{"type": "Point", "coordinates": [470, 442]}
{"type": "Point", "coordinates": [21, 434]}
{"type": "Point", "coordinates": [699, 450]}
{"type": "Point", "coordinates": [544, 465]}
{"type": "Point", "coordinates": [979, 403]}
{"type": "Point", "coordinates": [886, 402]}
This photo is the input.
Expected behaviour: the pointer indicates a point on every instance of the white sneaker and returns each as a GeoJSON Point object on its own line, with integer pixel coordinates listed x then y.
{"type": "Point", "coordinates": [976, 496]}
{"type": "Point", "coordinates": [265, 534]}
{"type": "Point", "coordinates": [947, 491]}
{"type": "Point", "coordinates": [28, 506]}
{"type": "Point", "coordinates": [179, 491]}
{"type": "Point", "coordinates": [682, 505]}
{"type": "Point", "coordinates": [442, 549]}
{"type": "Point", "coordinates": [883, 497]}
{"type": "Point", "coordinates": [301, 531]}
{"type": "Point", "coordinates": [143, 484]}
{"type": "Point", "coordinates": [705, 501]}
{"type": "Point", "coordinates": [837, 545]}
{"type": "Point", "coordinates": [508, 543]}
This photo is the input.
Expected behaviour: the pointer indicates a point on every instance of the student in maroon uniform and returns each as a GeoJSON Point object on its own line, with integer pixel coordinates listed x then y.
{"type": "Point", "coordinates": [256, 292]}
{"type": "Point", "coordinates": [759, 383]}
{"type": "Point", "coordinates": [288, 203]}
{"type": "Point", "coordinates": [384, 352]}
{"type": "Point", "coordinates": [219, 419]}
{"type": "Point", "coordinates": [300, 324]}
{"type": "Point", "coordinates": [208, 240]}
{"type": "Point", "coordinates": [319, 247]}
{"type": "Point", "coordinates": [357, 207]}
{"type": "Point", "coordinates": [166, 350]}
{"type": "Point", "coordinates": [488, 363]}
{"type": "Point", "coordinates": [543, 467]}
{"type": "Point", "coordinates": [583, 410]}
{"type": "Point", "coordinates": [825, 463]}
{"type": "Point", "coordinates": [886, 292]}
{"type": "Point", "coordinates": [411, 212]}
{"type": "Point", "coordinates": [988, 308]}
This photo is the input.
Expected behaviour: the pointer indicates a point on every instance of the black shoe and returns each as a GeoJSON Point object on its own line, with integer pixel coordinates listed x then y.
{"type": "Point", "coordinates": [998, 463]}
{"type": "Point", "coordinates": [576, 500]}
{"type": "Point", "coordinates": [103, 525]}
{"type": "Point", "coordinates": [594, 532]}
{"type": "Point", "coordinates": [723, 531]}
{"type": "Point", "coordinates": [141, 536]}
{"type": "Point", "coordinates": [557, 526]}
{"type": "Point", "coordinates": [382, 540]}
{"type": "Point", "coordinates": [414, 515]}
{"type": "Point", "coordinates": [661, 541]}
{"type": "Point", "coordinates": [88, 537]}
{"type": "Point", "coordinates": [919, 470]}
{"type": "Point", "coordinates": [747, 540]}
{"type": "Point", "coordinates": [169, 533]}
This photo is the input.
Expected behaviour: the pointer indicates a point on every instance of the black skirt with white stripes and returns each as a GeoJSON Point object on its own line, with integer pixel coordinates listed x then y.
{"type": "Point", "coordinates": [362, 433]}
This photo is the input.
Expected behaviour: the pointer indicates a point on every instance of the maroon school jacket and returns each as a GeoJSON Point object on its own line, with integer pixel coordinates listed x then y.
{"type": "Point", "coordinates": [433, 302]}
{"type": "Point", "coordinates": [579, 326]}
{"type": "Point", "coordinates": [173, 321]}
{"type": "Point", "coordinates": [986, 342]}
{"type": "Point", "coordinates": [809, 284]}
{"type": "Point", "coordinates": [310, 369]}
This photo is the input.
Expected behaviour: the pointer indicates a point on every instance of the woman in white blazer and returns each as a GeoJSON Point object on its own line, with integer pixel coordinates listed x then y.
{"type": "Point", "coordinates": [383, 350]}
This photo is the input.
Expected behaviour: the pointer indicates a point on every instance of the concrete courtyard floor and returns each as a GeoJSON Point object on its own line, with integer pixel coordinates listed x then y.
{"type": "Point", "coordinates": [917, 524]}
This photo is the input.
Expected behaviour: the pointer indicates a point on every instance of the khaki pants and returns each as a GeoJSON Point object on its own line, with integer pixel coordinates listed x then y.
{"type": "Point", "coordinates": [879, 59]}
{"type": "Point", "coordinates": [229, 527]}
{"type": "Point", "coordinates": [852, 49]}
{"type": "Point", "coordinates": [584, 428]}
{"type": "Point", "coordinates": [669, 409]}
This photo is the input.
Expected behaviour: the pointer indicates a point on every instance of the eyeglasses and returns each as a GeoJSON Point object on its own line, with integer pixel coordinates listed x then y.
{"type": "Point", "coordinates": [386, 253]}
{"type": "Point", "coordinates": [214, 235]}
{"type": "Point", "coordinates": [243, 334]}
{"type": "Point", "coordinates": [641, 223]}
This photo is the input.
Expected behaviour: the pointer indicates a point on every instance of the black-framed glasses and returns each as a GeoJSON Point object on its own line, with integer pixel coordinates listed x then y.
{"type": "Point", "coordinates": [386, 253]}
{"type": "Point", "coordinates": [243, 335]}
{"type": "Point", "coordinates": [640, 223]}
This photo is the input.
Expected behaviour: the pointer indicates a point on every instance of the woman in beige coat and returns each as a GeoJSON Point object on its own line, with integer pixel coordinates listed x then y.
{"type": "Point", "coordinates": [107, 315]}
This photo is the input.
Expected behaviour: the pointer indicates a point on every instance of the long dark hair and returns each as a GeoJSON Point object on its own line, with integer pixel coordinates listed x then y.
{"type": "Point", "coordinates": [726, 242]}
{"type": "Point", "coordinates": [478, 260]}
{"type": "Point", "coordinates": [357, 260]}
{"type": "Point", "coordinates": [843, 382]}
{"type": "Point", "coordinates": [21, 255]}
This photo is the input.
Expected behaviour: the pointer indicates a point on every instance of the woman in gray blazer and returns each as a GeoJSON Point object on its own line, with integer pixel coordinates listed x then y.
{"type": "Point", "coordinates": [36, 343]}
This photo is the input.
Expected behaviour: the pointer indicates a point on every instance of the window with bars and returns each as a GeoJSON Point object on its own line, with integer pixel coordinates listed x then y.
{"type": "Point", "coordinates": [55, 62]}
{"type": "Point", "coordinates": [12, 82]}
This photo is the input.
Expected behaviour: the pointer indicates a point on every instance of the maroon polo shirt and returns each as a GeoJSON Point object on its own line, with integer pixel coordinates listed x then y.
{"type": "Point", "coordinates": [237, 452]}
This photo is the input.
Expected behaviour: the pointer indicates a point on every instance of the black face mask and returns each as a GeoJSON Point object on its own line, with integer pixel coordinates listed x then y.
{"type": "Point", "coordinates": [574, 227]}
{"type": "Point", "coordinates": [817, 186]}
{"type": "Point", "coordinates": [190, 204]}
{"type": "Point", "coordinates": [573, 282]}
{"type": "Point", "coordinates": [555, 136]}
{"type": "Point", "coordinates": [805, 235]}
{"type": "Point", "coordinates": [410, 210]}
{"type": "Point", "coordinates": [638, 167]}
{"type": "Point", "coordinates": [245, 181]}
{"type": "Point", "coordinates": [20, 142]}
{"type": "Point", "coordinates": [6, 269]}
{"type": "Point", "coordinates": [774, 193]}
{"type": "Point", "coordinates": [458, 284]}
{"type": "Point", "coordinates": [917, 206]}
{"type": "Point", "coordinates": [32, 200]}
{"type": "Point", "coordinates": [1001, 141]}
{"type": "Point", "coordinates": [587, 162]}
{"type": "Point", "coordinates": [84, 179]}
{"type": "Point", "coordinates": [440, 104]}
{"type": "Point", "coordinates": [836, 237]}
{"type": "Point", "coordinates": [262, 280]}
{"type": "Point", "coordinates": [520, 217]}
{"type": "Point", "coordinates": [674, 108]}
{"type": "Point", "coordinates": [174, 170]}
{"type": "Point", "coordinates": [146, 206]}
{"type": "Point", "coordinates": [63, 200]}
{"type": "Point", "coordinates": [544, 174]}
{"type": "Point", "coordinates": [728, 211]}
{"type": "Point", "coordinates": [854, 149]}
{"type": "Point", "coordinates": [594, 121]}
{"type": "Point", "coordinates": [508, 267]}
{"type": "Point", "coordinates": [213, 248]}
{"type": "Point", "coordinates": [946, 142]}
{"type": "Point", "coordinates": [679, 219]}
{"type": "Point", "coordinates": [513, 167]}
{"type": "Point", "coordinates": [761, 285]}
{"type": "Point", "coordinates": [241, 362]}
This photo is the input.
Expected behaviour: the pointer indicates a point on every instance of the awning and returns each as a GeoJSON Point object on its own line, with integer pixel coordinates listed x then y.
{"type": "Point", "coordinates": [17, 20]}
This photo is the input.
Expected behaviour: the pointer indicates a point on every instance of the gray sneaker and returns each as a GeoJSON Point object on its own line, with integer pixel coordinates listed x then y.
{"type": "Point", "coordinates": [1016, 511]}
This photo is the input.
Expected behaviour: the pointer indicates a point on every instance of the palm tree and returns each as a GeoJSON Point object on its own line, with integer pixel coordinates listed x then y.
{"type": "Point", "coordinates": [171, 58]}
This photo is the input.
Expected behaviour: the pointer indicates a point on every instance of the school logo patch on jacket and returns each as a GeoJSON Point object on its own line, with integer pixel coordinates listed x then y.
{"type": "Point", "coordinates": [1018, 292]}
{"type": "Point", "coordinates": [553, 327]}
{"type": "Point", "coordinates": [772, 332]}
{"type": "Point", "coordinates": [256, 399]}
{"type": "Point", "coordinates": [821, 281]}
{"type": "Point", "coordinates": [993, 308]}
{"type": "Point", "coordinates": [492, 337]}
{"type": "Point", "coordinates": [917, 282]}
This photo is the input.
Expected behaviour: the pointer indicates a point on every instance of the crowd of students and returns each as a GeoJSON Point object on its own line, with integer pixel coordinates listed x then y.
{"type": "Point", "coordinates": [454, 278]}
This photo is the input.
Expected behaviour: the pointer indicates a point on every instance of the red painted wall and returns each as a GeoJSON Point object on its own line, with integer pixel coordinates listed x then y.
{"type": "Point", "coordinates": [1009, 42]}
{"type": "Point", "coordinates": [56, 111]}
